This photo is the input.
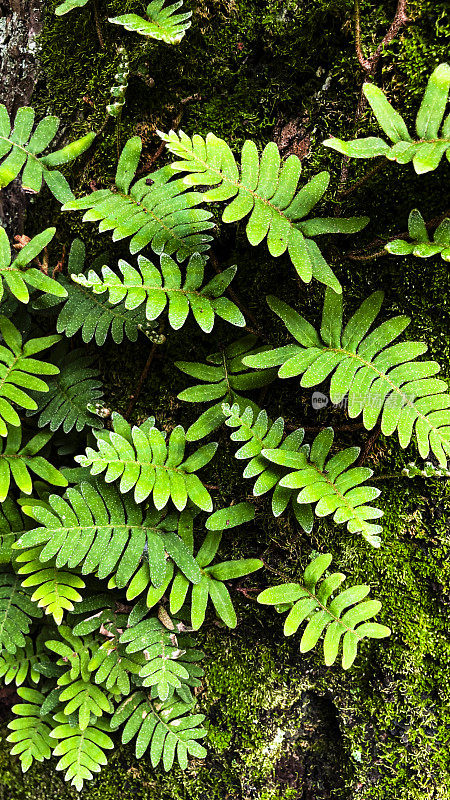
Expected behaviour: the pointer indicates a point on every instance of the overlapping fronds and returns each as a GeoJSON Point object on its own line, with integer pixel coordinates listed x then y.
{"type": "Point", "coordinates": [421, 245]}
{"type": "Point", "coordinates": [93, 315]}
{"type": "Point", "coordinates": [158, 288]}
{"type": "Point", "coordinates": [163, 22]}
{"type": "Point", "coordinates": [21, 149]}
{"type": "Point", "coordinates": [17, 612]}
{"type": "Point", "coordinates": [18, 275]}
{"type": "Point", "coordinates": [427, 148]}
{"type": "Point", "coordinates": [155, 211]}
{"type": "Point", "coordinates": [381, 379]}
{"type": "Point", "coordinates": [71, 393]}
{"type": "Point", "coordinates": [170, 658]}
{"type": "Point", "coordinates": [20, 666]}
{"type": "Point", "coordinates": [341, 615]}
{"type": "Point", "coordinates": [259, 432]}
{"type": "Point", "coordinates": [19, 372]}
{"type": "Point", "coordinates": [327, 482]}
{"type": "Point", "coordinates": [169, 730]}
{"type": "Point", "coordinates": [266, 190]}
{"type": "Point", "coordinates": [143, 460]}
{"type": "Point", "coordinates": [102, 531]}
{"type": "Point", "coordinates": [224, 377]}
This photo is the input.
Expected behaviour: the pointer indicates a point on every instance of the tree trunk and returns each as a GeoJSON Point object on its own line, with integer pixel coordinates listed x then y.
{"type": "Point", "coordinates": [20, 24]}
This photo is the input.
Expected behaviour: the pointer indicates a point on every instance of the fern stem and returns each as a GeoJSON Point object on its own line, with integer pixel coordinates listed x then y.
{"type": "Point", "coordinates": [134, 397]}
{"type": "Point", "coordinates": [97, 25]}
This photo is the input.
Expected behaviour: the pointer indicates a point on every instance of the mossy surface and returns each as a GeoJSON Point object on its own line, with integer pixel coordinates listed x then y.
{"type": "Point", "coordinates": [282, 726]}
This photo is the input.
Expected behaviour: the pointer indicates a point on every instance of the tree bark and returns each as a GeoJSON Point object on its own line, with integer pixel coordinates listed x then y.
{"type": "Point", "coordinates": [20, 25]}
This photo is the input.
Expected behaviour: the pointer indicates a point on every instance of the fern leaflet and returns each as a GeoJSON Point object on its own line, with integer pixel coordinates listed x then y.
{"type": "Point", "coordinates": [14, 275]}
{"type": "Point", "coordinates": [421, 246]}
{"type": "Point", "coordinates": [163, 22]}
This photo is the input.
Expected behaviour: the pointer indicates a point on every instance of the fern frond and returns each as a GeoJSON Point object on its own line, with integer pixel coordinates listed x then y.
{"type": "Point", "coordinates": [224, 376]}
{"type": "Point", "coordinates": [17, 462]}
{"type": "Point", "coordinates": [268, 192]}
{"type": "Point", "coordinates": [21, 149]}
{"type": "Point", "coordinates": [380, 378]}
{"type": "Point", "coordinates": [98, 528]}
{"type": "Point", "coordinates": [11, 526]}
{"type": "Point", "coordinates": [165, 286]}
{"type": "Point", "coordinates": [20, 665]}
{"type": "Point", "coordinates": [81, 751]}
{"type": "Point", "coordinates": [30, 730]}
{"type": "Point", "coordinates": [429, 146]}
{"type": "Point", "coordinates": [330, 484]}
{"type": "Point", "coordinates": [163, 215]}
{"type": "Point", "coordinates": [259, 432]}
{"type": "Point", "coordinates": [19, 372]}
{"type": "Point", "coordinates": [17, 612]}
{"type": "Point", "coordinates": [142, 459]}
{"type": "Point", "coordinates": [56, 589]}
{"type": "Point", "coordinates": [345, 617]}
{"type": "Point", "coordinates": [168, 729]}
{"type": "Point", "coordinates": [71, 393]}
{"type": "Point", "coordinates": [170, 660]}
{"type": "Point", "coordinates": [163, 22]}
{"type": "Point", "coordinates": [17, 274]}
{"type": "Point", "coordinates": [421, 246]}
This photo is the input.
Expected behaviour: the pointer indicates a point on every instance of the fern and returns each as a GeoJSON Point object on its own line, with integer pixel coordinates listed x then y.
{"type": "Point", "coordinates": [30, 730]}
{"type": "Point", "coordinates": [19, 371]}
{"type": "Point", "coordinates": [163, 22]}
{"type": "Point", "coordinates": [69, 5]}
{"type": "Point", "coordinates": [14, 275]}
{"type": "Point", "coordinates": [421, 246]}
{"type": "Point", "coordinates": [114, 109]}
{"type": "Point", "coordinates": [94, 316]}
{"type": "Point", "coordinates": [224, 376]}
{"type": "Point", "coordinates": [170, 661]}
{"type": "Point", "coordinates": [308, 601]}
{"type": "Point", "coordinates": [56, 589]}
{"type": "Point", "coordinates": [94, 526]}
{"type": "Point", "coordinates": [16, 462]}
{"type": "Point", "coordinates": [72, 394]}
{"type": "Point", "coordinates": [259, 432]}
{"type": "Point", "coordinates": [266, 191]}
{"type": "Point", "coordinates": [427, 149]}
{"type": "Point", "coordinates": [379, 379]}
{"type": "Point", "coordinates": [162, 215]}
{"type": "Point", "coordinates": [17, 612]}
{"type": "Point", "coordinates": [21, 665]}
{"type": "Point", "coordinates": [22, 149]}
{"type": "Point", "coordinates": [157, 288]}
{"type": "Point", "coordinates": [11, 526]}
{"type": "Point", "coordinates": [81, 751]}
{"type": "Point", "coordinates": [168, 729]}
{"type": "Point", "coordinates": [140, 457]}
{"type": "Point", "coordinates": [330, 483]}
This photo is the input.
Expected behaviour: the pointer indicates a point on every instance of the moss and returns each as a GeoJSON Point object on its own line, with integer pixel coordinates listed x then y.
{"type": "Point", "coordinates": [281, 725]}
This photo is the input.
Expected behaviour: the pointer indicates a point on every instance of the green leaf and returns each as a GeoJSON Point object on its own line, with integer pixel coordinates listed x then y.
{"type": "Point", "coordinates": [230, 517]}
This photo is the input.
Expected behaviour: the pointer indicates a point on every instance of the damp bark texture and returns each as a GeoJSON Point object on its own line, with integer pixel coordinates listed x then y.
{"type": "Point", "coordinates": [20, 25]}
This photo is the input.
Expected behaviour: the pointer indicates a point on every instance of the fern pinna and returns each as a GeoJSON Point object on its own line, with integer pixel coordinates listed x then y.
{"type": "Point", "coordinates": [381, 379]}
{"type": "Point", "coordinates": [268, 192]}
{"type": "Point", "coordinates": [163, 23]}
